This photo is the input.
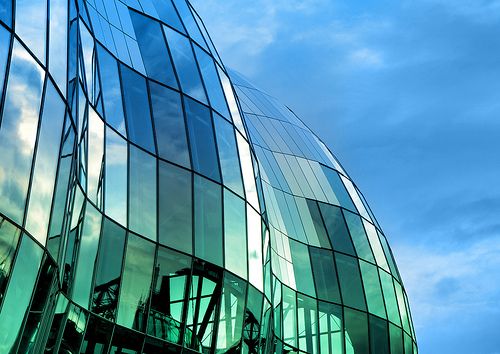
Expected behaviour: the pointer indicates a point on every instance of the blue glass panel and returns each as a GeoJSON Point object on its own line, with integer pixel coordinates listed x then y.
{"type": "Point", "coordinates": [153, 49]}
{"type": "Point", "coordinates": [168, 14]}
{"type": "Point", "coordinates": [31, 25]}
{"type": "Point", "coordinates": [201, 137]}
{"type": "Point", "coordinates": [185, 64]}
{"type": "Point", "coordinates": [135, 94]}
{"type": "Point", "coordinates": [6, 12]}
{"type": "Point", "coordinates": [170, 126]}
{"type": "Point", "coordinates": [4, 51]}
{"type": "Point", "coordinates": [189, 22]}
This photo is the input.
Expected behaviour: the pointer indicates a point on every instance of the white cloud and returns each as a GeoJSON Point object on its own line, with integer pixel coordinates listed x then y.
{"type": "Point", "coordinates": [366, 57]}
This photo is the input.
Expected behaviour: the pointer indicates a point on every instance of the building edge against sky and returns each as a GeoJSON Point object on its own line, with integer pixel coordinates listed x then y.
{"type": "Point", "coordinates": [152, 202]}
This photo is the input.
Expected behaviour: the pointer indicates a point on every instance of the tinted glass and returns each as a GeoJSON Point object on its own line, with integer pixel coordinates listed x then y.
{"type": "Point", "coordinates": [325, 275]}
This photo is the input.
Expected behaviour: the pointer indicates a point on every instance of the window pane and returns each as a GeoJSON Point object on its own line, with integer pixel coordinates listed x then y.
{"type": "Point", "coordinates": [379, 336]}
{"type": "Point", "coordinates": [169, 124]}
{"type": "Point", "coordinates": [4, 47]}
{"type": "Point", "coordinates": [97, 336]}
{"type": "Point", "coordinates": [373, 292]}
{"type": "Point", "coordinates": [168, 14]}
{"type": "Point", "coordinates": [302, 267]}
{"type": "Point", "coordinates": [115, 180]}
{"type": "Point", "coordinates": [356, 331]}
{"type": "Point", "coordinates": [175, 212]}
{"type": "Point", "coordinates": [18, 131]}
{"type": "Point", "coordinates": [142, 189]}
{"type": "Point", "coordinates": [390, 297]}
{"type": "Point", "coordinates": [307, 316]}
{"type": "Point", "coordinates": [255, 261]}
{"type": "Point", "coordinates": [9, 237]}
{"type": "Point", "coordinates": [135, 94]}
{"type": "Point", "coordinates": [325, 274]}
{"type": "Point", "coordinates": [289, 316]}
{"type": "Point", "coordinates": [228, 155]}
{"type": "Point", "coordinates": [376, 246]}
{"type": "Point", "coordinates": [338, 188]}
{"type": "Point", "coordinates": [19, 292]}
{"type": "Point", "coordinates": [136, 283]}
{"type": "Point", "coordinates": [58, 42]}
{"type": "Point", "coordinates": [235, 234]}
{"type": "Point", "coordinates": [358, 236]}
{"type": "Point", "coordinates": [185, 65]}
{"type": "Point", "coordinates": [208, 220]}
{"type": "Point", "coordinates": [31, 23]}
{"type": "Point", "coordinates": [396, 335]}
{"type": "Point", "coordinates": [318, 224]}
{"type": "Point", "coordinates": [44, 174]}
{"type": "Point", "coordinates": [350, 281]}
{"type": "Point", "coordinates": [153, 49]}
{"type": "Point", "coordinates": [6, 12]}
{"type": "Point", "coordinates": [95, 156]}
{"type": "Point", "coordinates": [337, 229]}
{"type": "Point", "coordinates": [108, 270]}
{"type": "Point", "coordinates": [330, 328]}
{"type": "Point", "coordinates": [201, 137]}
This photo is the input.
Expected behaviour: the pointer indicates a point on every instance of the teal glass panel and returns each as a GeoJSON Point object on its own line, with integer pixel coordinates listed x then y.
{"type": "Point", "coordinates": [350, 281]}
{"type": "Point", "coordinates": [396, 339]}
{"type": "Point", "coordinates": [175, 207]}
{"type": "Point", "coordinates": [135, 95]}
{"type": "Point", "coordinates": [18, 296]}
{"type": "Point", "coordinates": [115, 177]}
{"type": "Point", "coordinates": [172, 272]}
{"type": "Point", "coordinates": [142, 193]}
{"type": "Point", "coordinates": [171, 135]}
{"type": "Point", "coordinates": [307, 324]}
{"type": "Point", "coordinates": [390, 298]}
{"type": "Point", "coordinates": [31, 25]}
{"type": "Point", "coordinates": [228, 155]}
{"type": "Point", "coordinates": [235, 234]}
{"type": "Point", "coordinates": [136, 283]}
{"type": "Point", "coordinates": [208, 220]}
{"type": "Point", "coordinates": [408, 344]}
{"type": "Point", "coordinates": [375, 245]}
{"type": "Point", "coordinates": [185, 65]}
{"type": "Point", "coordinates": [87, 256]}
{"type": "Point", "coordinates": [373, 291]}
{"type": "Point", "coordinates": [338, 188]}
{"type": "Point", "coordinates": [358, 236]}
{"type": "Point", "coordinates": [108, 270]}
{"type": "Point", "coordinates": [337, 229]}
{"type": "Point", "coordinates": [356, 332]}
{"type": "Point", "coordinates": [18, 131]}
{"type": "Point", "coordinates": [212, 83]}
{"type": "Point", "coordinates": [9, 238]}
{"type": "Point", "coordinates": [111, 90]}
{"type": "Point", "coordinates": [318, 224]}
{"type": "Point", "coordinates": [330, 328]}
{"type": "Point", "coordinates": [153, 49]}
{"type": "Point", "coordinates": [44, 173]}
{"type": "Point", "coordinates": [232, 312]}
{"type": "Point", "coordinates": [389, 256]}
{"type": "Point", "coordinates": [97, 336]}
{"type": "Point", "coordinates": [73, 330]}
{"type": "Point", "coordinates": [325, 274]}
{"type": "Point", "coordinates": [402, 306]}
{"type": "Point", "coordinates": [126, 341]}
{"type": "Point", "coordinates": [201, 137]}
{"type": "Point", "coordinates": [379, 336]}
{"type": "Point", "coordinates": [289, 316]}
{"type": "Point", "coordinates": [302, 268]}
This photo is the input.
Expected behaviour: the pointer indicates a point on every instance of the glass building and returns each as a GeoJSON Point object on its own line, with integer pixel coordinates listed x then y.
{"type": "Point", "coordinates": [153, 202]}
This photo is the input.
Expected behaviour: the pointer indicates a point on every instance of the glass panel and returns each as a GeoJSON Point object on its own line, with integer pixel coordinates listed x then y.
{"type": "Point", "coordinates": [108, 270]}
{"type": "Point", "coordinates": [376, 246]}
{"type": "Point", "coordinates": [58, 42]}
{"type": "Point", "coordinates": [153, 49]}
{"type": "Point", "coordinates": [135, 94]}
{"type": "Point", "coordinates": [19, 293]}
{"type": "Point", "coordinates": [318, 224]}
{"type": "Point", "coordinates": [201, 137]}
{"type": "Point", "coordinates": [228, 155]}
{"type": "Point", "coordinates": [111, 90]}
{"type": "Point", "coordinates": [337, 229]}
{"type": "Point", "coordinates": [169, 124]}
{"type": "Point", "coordinates": [44, 173]}
{"type": "Point", "coordinates": [307, 316]}
{"type": "Point", "coordinates": [189, 22]}
{"type": "Point", "coordinates": [325, 274]}
{"type": "Point", "coordinates": [6, 12]}
{"type": "Point", "coordinates": [9, 237]}
{"type": "Point", "coordinates": [254, 246]}
{"type": "Point", "coordinates": [185, 65]}
{"type": "Point", "coordinates": [208, 220]}
{"type": "Point", "coordinates": [73, 330]}
{"type": "Point", "coordinates": [142, 193]}
{"type": "Point", "coordinates": [172, 271]}
{"type": "Point", "coordinates": [356, 331]}
{"type": "Point", "coordinates": [168, 14]}
{"type": "Point", "coordinates": [136, 283]}
{"type": "Point", "coordinates": [231, 101]}
{"type": "Point", "coordinates": [235, 232]}
{"type": "Point", "coordinates": [338, 188]}
{"type": "Point", "coordinates": [4, 48]}
{"type": "Point", "coordinates": [18, 131]}
{"type": "Point", "coordinates": [31, 22]}
{"type": "Point", "coordinates": [379, 336]}
{"type": "Point", "coordinates": [302, 267]}
{"type": "Point", "coordinates": [87, 256]}
{"type": "Point", "coordinates": [212, 83]}
{"type": "Point", "coordinates": [373, 291]}
{"type": "Point", "coordinates": [330, 328]}
{"type": "Point", "coordinates": [390, 297]}
{"type": "Point", "coordinates": [289, 317]}
{"type": "Point", "coordinates": [247, 171]}
{"type": "Point", "coordinates": [396, 336]}
{"type": "Point", "coordinates": [359, 237]}
{"type": "Point", "coordinates": [115, 181]}
{"type": "Point", "coordinates": [97, 336]}
{"type": "Point", "coordinates": [126, 342]}
{"type": "Point", "coordinates": [95, 156]}
{"type": "Point", "coordinates": [350, 281]}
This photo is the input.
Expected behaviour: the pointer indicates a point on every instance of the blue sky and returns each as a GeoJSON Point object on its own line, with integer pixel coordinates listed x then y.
{"type": "Point", "coordinates": [407, 95]}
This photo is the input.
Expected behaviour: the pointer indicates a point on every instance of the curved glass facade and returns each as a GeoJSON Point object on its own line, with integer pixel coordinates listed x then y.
{"type": "Point", "coordinates": [151, 203]}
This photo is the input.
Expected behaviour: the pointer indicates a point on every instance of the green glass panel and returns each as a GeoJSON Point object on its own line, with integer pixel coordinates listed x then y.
{"type": "Point", "coordinates": [9, 238]}
{"type": "Point", "coordinates": [350, 281]}
{"type": "Point", "coordinates": [325, 274]}
{"type": "Point", "coordinates": [136, 283]}
{"type": "Point", "coordinates": [358, 236]}
{"type": "Point", "coordinates": [307, 316]}
{"type": "Point", "coordinates": [379, 336]}
{"type": "Point", "coordinates": [330, 328]}
{"type": "Point", "coordinates": [337, 229]}
{"type": "Point", "coordinates": [208, 220]}
{"type": "Point", "coordinates": [356, 332]}
{"type": "Point", "coordinates": [396, 339]}
{"type": "Point", "coordinates": [73, 330]}
{"type": "Point", "coordinates": [402, 306]}
{"type": "Point", "coordinates": [390, 297]}
{"type": "Point", "coordinates": [289, 316]}
{"type": "Point", "coordinates": [408, 344]}
{"type": "Point", "coordinates": [318, 224]}
{"type": "Point", "coordinates": [19, 291]}
{"type": "Point", "coordinates": [373, 291]}
{"type": "Point", "coordinates": [302, 268]}
{"type": "Point", "coordinates": [175, 207]}
{"type": "Point", "coordinates": [375, 245]}
{"type": "Point", "coordinates": [235, 234]}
